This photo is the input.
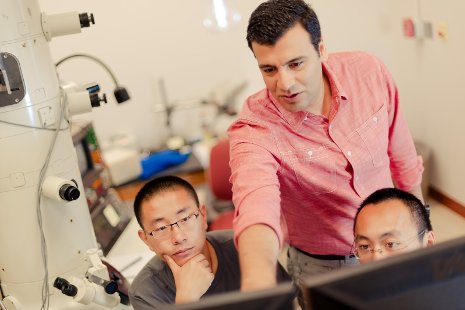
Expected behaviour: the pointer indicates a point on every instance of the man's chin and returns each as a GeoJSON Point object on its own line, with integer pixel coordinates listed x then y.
{"type": "Point", "coordinates": [292, 107]}
{"type": "Point", "coordinates": [181, 262]}
{"type": "Point", "coordinates": [182, 259]}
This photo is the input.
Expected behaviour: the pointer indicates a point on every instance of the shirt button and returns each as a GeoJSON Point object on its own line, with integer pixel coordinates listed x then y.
{"type": "Point", "coordinates": [349, 153]}
{"type": "Point", "coordinates": [310, 153]}
{"type": "Point", "coordinates": [375, 119]}
{"type": "Point", "coordinates": [305, 118]}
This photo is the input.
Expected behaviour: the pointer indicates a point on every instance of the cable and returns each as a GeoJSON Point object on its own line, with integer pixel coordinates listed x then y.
{"type": "Point", "coordinates": [33, 127]}
{"type": "Point", "coordinates": [419, 9]}
{"type": "Point", "coordinates": [45, 285]}
{"type": "Point", "coordinates": [121, 94]}
{"type": "Point", "coordinates": [94, 59]}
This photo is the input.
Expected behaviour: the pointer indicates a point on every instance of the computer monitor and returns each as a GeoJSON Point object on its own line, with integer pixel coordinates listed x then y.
{"type": "Point", "coordinates": [277, 298]}
{"type": "Point", "coordinates": [429, 278]}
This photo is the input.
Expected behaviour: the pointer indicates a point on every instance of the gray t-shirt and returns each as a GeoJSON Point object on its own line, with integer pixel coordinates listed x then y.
{"type": "Point", "coordinates": [154, 285]}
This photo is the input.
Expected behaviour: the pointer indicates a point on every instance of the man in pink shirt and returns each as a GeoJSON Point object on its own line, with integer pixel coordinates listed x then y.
{"type": "Point", "coordinates": [326, 132]}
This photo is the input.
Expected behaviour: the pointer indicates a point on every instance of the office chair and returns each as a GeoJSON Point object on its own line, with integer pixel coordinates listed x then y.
{"type": "Point", "coordinates": [218, 175]}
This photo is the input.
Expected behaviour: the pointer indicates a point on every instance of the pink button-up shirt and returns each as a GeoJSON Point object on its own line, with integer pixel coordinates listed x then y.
{"type": "Point", "coordinates": [305, 175]}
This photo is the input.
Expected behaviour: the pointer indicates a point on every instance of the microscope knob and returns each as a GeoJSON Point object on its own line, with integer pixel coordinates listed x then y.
{"type": "Point", "coordinates": [111, 287]}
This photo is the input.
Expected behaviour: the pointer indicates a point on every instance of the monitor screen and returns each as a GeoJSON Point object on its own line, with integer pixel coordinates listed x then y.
{"type": "Point", "coordinates": [429, 278]}
{"type": "Point", "coordinates": [277, 298]}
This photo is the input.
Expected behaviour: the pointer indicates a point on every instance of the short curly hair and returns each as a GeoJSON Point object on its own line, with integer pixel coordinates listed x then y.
{"type": "Point", "coordinates": [273, 18]}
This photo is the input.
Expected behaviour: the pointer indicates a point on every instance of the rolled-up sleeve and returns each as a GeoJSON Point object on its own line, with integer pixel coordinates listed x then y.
{"type": "Point", "coordinates": [254, 168]}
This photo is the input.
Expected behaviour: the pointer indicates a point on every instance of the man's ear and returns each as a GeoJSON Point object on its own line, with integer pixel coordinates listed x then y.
{"type": "Point", "coordinates": [203, 211]}
{"type": "Point", "coordinates": [430, 239]}
{"type": "Point", "coordinates": [322, 50]}
{"type": "Point", "coordinates": [143, 237]}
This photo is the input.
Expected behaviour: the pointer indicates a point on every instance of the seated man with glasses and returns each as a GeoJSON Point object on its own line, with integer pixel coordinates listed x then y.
{"type": "Point", "coordinates": [189, 262]}
{"type": "Point", "coordinates": [390, 222]}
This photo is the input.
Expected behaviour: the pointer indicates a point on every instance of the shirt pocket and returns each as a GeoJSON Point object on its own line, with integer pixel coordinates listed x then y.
{"type": "Point", "coordinates": [374, 133]}
{"type": "Point", "coordinates": [313, 168]}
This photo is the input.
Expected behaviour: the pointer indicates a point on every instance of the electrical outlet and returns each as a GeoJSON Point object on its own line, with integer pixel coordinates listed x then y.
{"type": "Point", "coordinates": [46, 116]}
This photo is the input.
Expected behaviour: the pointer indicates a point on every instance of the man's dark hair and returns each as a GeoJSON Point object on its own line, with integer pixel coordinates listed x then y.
{"type": "Point", "coordinates": [416, 207]}
{"type": "Point", "coordinates": [271, 20]}
{"type": "Point", "coordinates": [160, 185]}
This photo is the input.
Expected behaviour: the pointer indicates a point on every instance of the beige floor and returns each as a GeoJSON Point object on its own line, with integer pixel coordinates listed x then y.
{"type": "Point", "coordinates": [447, 224]}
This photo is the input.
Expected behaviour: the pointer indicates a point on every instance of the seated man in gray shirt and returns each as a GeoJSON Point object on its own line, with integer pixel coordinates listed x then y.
{"type": "Point", "coordinates": [189, 262]}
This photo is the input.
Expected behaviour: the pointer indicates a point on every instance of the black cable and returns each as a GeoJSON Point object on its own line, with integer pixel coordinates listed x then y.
{"type": "Point", "coordinates": [120, 93]}
{"type": "Point", "coordinates": [94, 59]}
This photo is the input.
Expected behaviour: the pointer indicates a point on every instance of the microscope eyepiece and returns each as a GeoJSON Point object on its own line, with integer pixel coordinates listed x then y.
{"type": "Point", "coordinates": [86, 19]}
{"type": "Point", "coordinates": [65, 287]}
{"type": "Point", "coordinates": [69, 192]}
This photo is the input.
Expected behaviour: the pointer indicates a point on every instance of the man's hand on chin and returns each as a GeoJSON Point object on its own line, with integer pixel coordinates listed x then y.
{"type": "Point", "coordinates": [193, 279]}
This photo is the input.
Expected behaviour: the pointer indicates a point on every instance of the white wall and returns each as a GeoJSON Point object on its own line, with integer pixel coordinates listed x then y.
{"type": "Point", "coordinates": [153, 39]}
{"type": "Point", "coordinates": [429, 72]}
{"type": "Point", "coordinates": [149, 40]}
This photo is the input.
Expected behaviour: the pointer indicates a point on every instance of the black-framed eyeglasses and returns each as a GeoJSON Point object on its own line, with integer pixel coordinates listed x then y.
{"type": "Point", "coordinates": [184, 224]}
{"type": "Point", "coordinates": [362, 250]}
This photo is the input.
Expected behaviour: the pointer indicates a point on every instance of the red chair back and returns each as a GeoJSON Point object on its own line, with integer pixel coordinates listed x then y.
{"type": "Point", "coordinates": [219, 170]}
{"type": "Point", "coordinates": [218, 179]}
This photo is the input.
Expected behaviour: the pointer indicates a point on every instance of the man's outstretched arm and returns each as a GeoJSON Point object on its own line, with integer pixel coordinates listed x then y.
{"type": "Point", "coordinates": [258, 247]}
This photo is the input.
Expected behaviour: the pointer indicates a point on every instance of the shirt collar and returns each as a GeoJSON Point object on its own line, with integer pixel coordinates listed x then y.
{"type": "Point", "coordinates": [337, 92]}
{"type": "Point", "coordinates": [295, 119]}
{"type": "Point", "coordinates": [336, 88]}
